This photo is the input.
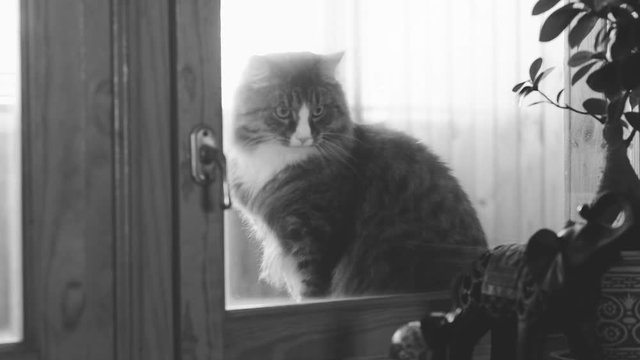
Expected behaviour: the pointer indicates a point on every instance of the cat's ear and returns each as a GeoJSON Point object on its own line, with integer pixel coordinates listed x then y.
{"type": "Point", "coordinates": [329, 63]}
{"type": "Point", "coordinates": [258, 72]}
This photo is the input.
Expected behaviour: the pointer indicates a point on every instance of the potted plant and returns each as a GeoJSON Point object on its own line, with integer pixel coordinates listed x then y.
{"type": "Point", "coordinates": [611, 68]}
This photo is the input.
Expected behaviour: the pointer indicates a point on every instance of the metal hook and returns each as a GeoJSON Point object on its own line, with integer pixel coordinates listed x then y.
{"type": "Point", "coordinates": [206, 160]}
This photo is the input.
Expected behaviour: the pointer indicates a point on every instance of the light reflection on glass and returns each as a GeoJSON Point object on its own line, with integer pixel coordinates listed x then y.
{"type": "Point", "coordinates": [10, 175]}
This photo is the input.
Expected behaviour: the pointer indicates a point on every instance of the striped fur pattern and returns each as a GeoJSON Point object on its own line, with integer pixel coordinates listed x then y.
{"type": "Point", "coordinates": [339, 208]}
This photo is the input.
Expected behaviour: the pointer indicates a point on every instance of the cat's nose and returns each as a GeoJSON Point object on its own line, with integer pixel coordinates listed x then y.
{"type": "Point", "coordinates": [307, 140]}
{"type": "Point", "coordinates": [301, 140]}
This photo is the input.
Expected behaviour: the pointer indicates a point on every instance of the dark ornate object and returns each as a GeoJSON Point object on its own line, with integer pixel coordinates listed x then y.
{"type": "Point", "coordinates": [522, 292]}
{"type": "Point", "coordinates": [619, 311]}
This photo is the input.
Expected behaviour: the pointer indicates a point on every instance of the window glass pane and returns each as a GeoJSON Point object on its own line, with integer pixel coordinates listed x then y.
{"type": "Point", "coordinates": [441, 71]}
{"type": "Point", "coordinates": [10, 188]}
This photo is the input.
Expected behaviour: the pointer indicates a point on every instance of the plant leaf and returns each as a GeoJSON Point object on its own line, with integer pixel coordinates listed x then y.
{"type": "Point", "coordinates": [615, 109]}
{"type": "Point", "coordinates": [634, 97]}
{"type": "Point", "coordinates": [526, 90]}
{"type": "Point", "coordinates": [557, 22]}
{"type": "Point", "coordinates": [582, 28]}
{"type": "Point", "coordinates": [518, 86]}
{"type": "Point", "coordinates": [595, 106]}
{"type": "Point", "coordinates": [543, 5]}
{"type": "Point", "coordinates": [630, 72]}
{"type": "Point", "coordinates": [559, 94]}
{"type": "Point", "coordinates": [581, 73]}
{"type": "Point", "coordinates": [542, 75]}
{"type": "Point", "coordinates": [580, 58]}
{"type": "Point", "coordinates": [534, 68]}
{"type": "Point", "coordinates": [600, 38]}
{"type": "Point", "coordinates": [604, 79]}
{"type": "Point", "coordinates": [624, 41]}
{"type": "Point", "coordinates": [537, 103]}
{"type": "Point", "coordinates": [633, 118]}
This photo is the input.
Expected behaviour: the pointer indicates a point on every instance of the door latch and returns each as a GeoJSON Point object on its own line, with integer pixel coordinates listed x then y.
{"type": "Point", "coordinates": [207, 161]}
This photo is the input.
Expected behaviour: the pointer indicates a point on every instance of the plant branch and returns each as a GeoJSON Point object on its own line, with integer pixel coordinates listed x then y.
{"type": "Point", "coordinates": [628, 141]}
{"type": "Point", "coordinates": [567, 107]}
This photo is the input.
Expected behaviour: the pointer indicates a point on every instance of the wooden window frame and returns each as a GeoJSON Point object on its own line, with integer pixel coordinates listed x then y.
{"type": "Point", "coordinates": [146, 277]}
{"type": "Point", "coordinates": [65, 102]}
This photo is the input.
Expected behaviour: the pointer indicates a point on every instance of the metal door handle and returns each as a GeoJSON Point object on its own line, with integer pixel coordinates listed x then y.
{"type": "Point", "coordinates": [207, 159]}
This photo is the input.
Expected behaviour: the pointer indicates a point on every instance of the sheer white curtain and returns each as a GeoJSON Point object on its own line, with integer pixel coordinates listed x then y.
{"type": "Point", "coordinates": [442, 71]}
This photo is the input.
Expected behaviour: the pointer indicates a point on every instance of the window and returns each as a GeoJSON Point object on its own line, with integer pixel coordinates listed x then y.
{"type": "Point", "coordinates": [122, 258]}
{"type": "Point", "coordinates": [10, 175]}
{"type": "Point", "coordinates": [441, 71]}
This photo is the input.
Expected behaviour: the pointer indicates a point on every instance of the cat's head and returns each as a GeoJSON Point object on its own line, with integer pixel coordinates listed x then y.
{"type": "Point", "coordinates": [292, 99]}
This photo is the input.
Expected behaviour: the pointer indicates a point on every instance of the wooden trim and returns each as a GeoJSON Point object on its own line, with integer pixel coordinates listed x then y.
{"type": "Point", "coordinates": [123, 291]}
{"type": "Point", "coordinates": [200, 251]}
{"type": "Point", "coordinates": [30, 256]}
{"type": "Point", "coordinates": [354, 329]}
{"type": "Point", "coordinates": [147, 295]}
{"type": "Point", "coordinates": [68, 176]}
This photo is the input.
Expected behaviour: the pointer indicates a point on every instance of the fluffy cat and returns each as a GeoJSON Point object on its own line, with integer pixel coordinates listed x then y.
{"type": "Point", "coordinates": [340, 208]}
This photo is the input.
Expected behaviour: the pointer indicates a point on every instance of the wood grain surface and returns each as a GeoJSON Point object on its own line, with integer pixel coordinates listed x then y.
{"type": "Point", "coordinates": [201, 280]}
{"type": "Point", "coordinates": [98, 225]}
{"type": "Point", "coordinates": [69, 177]}
{"type": "Point", "coordinates": [585, 145]}
{"type": "Point", "coordinates": [153, 230]}
{"type": "Point", "coordinates": [342, 329]}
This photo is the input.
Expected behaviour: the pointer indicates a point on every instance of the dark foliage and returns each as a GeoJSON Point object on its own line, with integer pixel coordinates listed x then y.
{"type": "Point", "coordinates": [611, 68]}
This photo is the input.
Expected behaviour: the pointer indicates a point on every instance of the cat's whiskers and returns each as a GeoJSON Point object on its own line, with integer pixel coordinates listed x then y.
{"type": "Point", "coordinates": [263, 139]}
{"type": "Point", "coordinates": [330, 134]}
{"type": "Point", "coordinates": [334, 151]}
{"type": "Point", "coordinates": [340, 149]}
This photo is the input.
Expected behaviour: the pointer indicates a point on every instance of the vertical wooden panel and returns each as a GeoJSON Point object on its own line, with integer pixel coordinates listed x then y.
{"type": "Point", "coordinates": [69, 179]}
{"type": "Point", "coordinates": [200, 235]}
{"type": "Point", "coordinates": [585, 151]}
{"type": "Point", "coordinates": [150, 156]}
{"type": "Point", "coordinates": [30, 247]}
{"type": "Point", "coordinates": [124, 318]}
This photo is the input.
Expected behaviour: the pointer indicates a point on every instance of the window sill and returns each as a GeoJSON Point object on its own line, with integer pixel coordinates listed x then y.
{"type": "Point", "coordinates": [336, 329]}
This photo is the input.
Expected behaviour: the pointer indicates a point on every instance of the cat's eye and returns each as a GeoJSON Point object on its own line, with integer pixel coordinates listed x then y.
{"type": "Point", "coordinates": [282, 111]}
{"type": "Point", "coordinates": [318, 110]}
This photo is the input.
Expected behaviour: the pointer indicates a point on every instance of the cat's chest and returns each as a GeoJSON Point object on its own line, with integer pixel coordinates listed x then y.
{"type": "Point", "coordinates": [254, 168]}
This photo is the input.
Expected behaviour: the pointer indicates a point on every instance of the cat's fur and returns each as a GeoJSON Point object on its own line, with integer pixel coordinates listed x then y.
{"type": "Point", "coordinates": [340, 208]}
